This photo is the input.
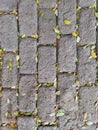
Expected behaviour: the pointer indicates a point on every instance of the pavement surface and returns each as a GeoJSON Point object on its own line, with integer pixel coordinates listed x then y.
{"type": "Point", "coordinates": [48, 65]}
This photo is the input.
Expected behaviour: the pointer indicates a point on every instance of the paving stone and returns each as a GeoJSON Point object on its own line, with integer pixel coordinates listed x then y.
{"type": "Point", "coordinates": [9, 77]}
{"type": "Point", "coordinates": [47, 23]}
{"type": "Point", "coordinates": [87, 30]}
{"type": "Point", "coordinates": [88, 96]}
{"type": "Point", "coordinates": [85, 3]}
{"type": "Point", "coordinates": [8, 5]}
{"type": "Point", "coordinates": [46, 128]}
{"type": "Point", "coordinates": [86, 66]}
{"type": "Point", "coordinates": [67, 10]}
{"type": "Point", "coordinates": [28, 17]}
{"type": "Point", "coordinates": [47, 3]}
{"type": "Point", "coordinates": [27, 92]}
{"type": "Point", "coordinates": [28, 56]}
{"type": "Point", "coordinates": [46, 66]}
{"type": "Point", "coordinates": [8, 104]}
{"type": "Point", "coordinates": [67, 54]}
{"type": "Point", "coordinates": [8, 32]}
{"type": "Point", "coordinates": [26, 123]}
{"type": "Point", "coordinates": [88, 128]}
{"type": "Point", "coordinates": [67, 101]}
{"type": "Point", "coordinates": [46, 103]}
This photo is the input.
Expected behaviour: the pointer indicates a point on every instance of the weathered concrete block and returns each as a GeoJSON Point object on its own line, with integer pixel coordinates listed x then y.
{"type": "Point", "coordinates": [67, 54]}
{"type": "Point", "coordinates": [28, 17]}
{"type": "Point", "coordinates": [85, 3]}
{"type": "Point", "coordinates": [8, 5]}
{"type": "Point", "coordinates": [8, 105]}
{"type": "Point", "coordinates": [47, 23]}
{"type": "Point", "coordinates": [27, 90]}
{"type": "Point", "coordinates": [8, 32]}
{"type": "Point", "coordinates": [87, 30]}
{"type": "Point", "coordinates": [46, 64]}
{"type": "Point", "coordinates": [46, 128]}
{"type": "Point", "coordinates": [27, 53]}
{"type": "Point", "coordinates": [9, 71]}
{"type": "Point", "coordinates": [46, 103]}
{"type": "Point", "coordinates": [26, 123]}
{"type": "Point", "coordinates": [86, 66]}
{"type": "Point", "coordinates": [67, 10]}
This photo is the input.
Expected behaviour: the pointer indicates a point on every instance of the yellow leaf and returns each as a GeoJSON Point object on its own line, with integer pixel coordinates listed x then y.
{"type": "Point", "coordinates": [67, 22]}
{"type": "Point", "coordinates": [75, 34]}
{"type": "Point", "coordinates": [23, 36]}
{"type": "Point", "coordinates": [35, 36]}
{"type": "Point", "coordinates": [37, 1]}
{"type": "Point", "coordinates": [93, 54]}
{"type": "Point", "coordinates": [14, 12]}
{"type": "Point", "coordinates": [1, 12]}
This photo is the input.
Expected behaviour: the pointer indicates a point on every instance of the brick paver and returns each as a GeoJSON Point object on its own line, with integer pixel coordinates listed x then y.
{"type": "Point", "coordinates": [48, 59]}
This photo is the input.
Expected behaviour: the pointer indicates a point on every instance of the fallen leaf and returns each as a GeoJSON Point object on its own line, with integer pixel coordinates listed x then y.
{"type": "Point", "coordinates": [67, 22]}
{"type": "Point", "coordinates": [75, 34]}
{"type": "Point", "coordinates": [60, 112]}
{"type": "Point", "coordinates": [35, 36]}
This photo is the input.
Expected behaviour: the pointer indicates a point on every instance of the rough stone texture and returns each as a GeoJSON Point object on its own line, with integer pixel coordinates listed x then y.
{"type": "Point", "coordinates": [26, 123]}
{"type": "Point", "coordinates": [8, 32]}
{"type": "Point", "coordinates": [86, 66]}
{"type": "Point", "coordinates": [67, 10]}
{"type": "Point", "coordinates": [87, 30]}
{"type": "Point", "coordinates": [89, 128]}
{"type": "Point", "coordinates": [46, 128]}
{"type": "Point", "coordinates": [85, 3]}
{"type": "Point", "coordinates": [46, 103]}
{"type": "Point", "coordinates": [8, 104]}
{"type": "Point", "coordinates": [28, 17]}
{"type": "Point", "coordinates": [27, 89]}
{"type": "Point", "coordinates": [67, 54]}
{"type": "Point", "coordinates": [46, 64]}
{"type": "Point", "coordinates": [47, 23]}
{"type": "Point", "coordinates": [8, 5]}
{"type": "Point", "coordinates": [28, 56]}
{"type": "Point", "coordinates": [67, 101]}
{"type": "Point", "coordinates": [9, 77]}
{"type": "Point", "coordinates": [47, 3]}
{"type": "Point", "coordinates": [88, 96]}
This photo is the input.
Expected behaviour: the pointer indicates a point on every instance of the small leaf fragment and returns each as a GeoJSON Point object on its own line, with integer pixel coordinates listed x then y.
{"type": "Point", "coordinates": [23, 36]}
{"type": "Point", "coordinates": [96, 14]}
{"type": "Point", "coordinates": [89, 123]}
{"type": "Point", "coordinates": [60, 112]}
{"type": "Point", "coordinates": [28, 113]}
{"type": "Point", "coordinates": [67, 22]}
{"type": "Point", "coordinates": [37, 1]}
{"type": "Point", "coordinates": [35, 36]}
{"type": "Point", "coordinates": [14, 12]}
{"type": "Point", "coordinates": [75, 34]}
{"type": "Point", "coordinates": [93, 54]}
{"type": "Point", "coordinates": [57, 93]}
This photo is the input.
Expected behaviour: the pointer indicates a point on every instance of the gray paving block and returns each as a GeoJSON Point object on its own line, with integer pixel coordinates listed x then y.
{"type": "Point", "coordinates": [8, 5]}
{"type": "Point", "coordinates": [88, 96]}
{"type": "Point", "coordinates": [67, 101]}
{"type": "Point", "coordinates": [8, 104]}
{"type": "Point", "coordinates": [46, 103]}
{"type": "Point", "coordinates": [47, 3]}
{"type": "Point", "coordinates": [85, 3]}
{"type": "Point", "coordinates": [9, 77]}
{"type": "Point", "coordinates": [46, 128]}
{"type": "Point", "coordinates": [67, 54]}
{"type": "Point", "coordinates": [28, 17]}
{"type": "Point", "coordinates": [47, 23]}
{"type": "Point", "coordinates": [46, 64]}
{"type": "Point", "coordinates": [86, 66]}
{"type": "Point", "coordinates": [93, 127]}
{"type": "Point", "coordinates": [26, 123]}
{"type": "Point", "coordinates": [87, 30]}
{"type": "Point", "coordinates": [27, 86]}
{"type": "Point", "coordinates": [27, 56]}
{"type": "Point", "coordinates": [67, 10]}
{"type": "Point", "coordinates": [8, 32]}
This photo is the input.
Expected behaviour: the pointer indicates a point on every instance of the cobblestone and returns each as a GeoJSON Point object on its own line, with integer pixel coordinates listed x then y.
{"type": "Point", "coordinates": [9, 71]}
{"type": "Point", "coordinates": [46, 128]}
{"type": "Point", "coordinates": [85, 3]}
{"type": "Point", "coordinates": [67, 10]}
{"type": "Point", "coordinates": [46, 103]}
{"type": "Point", "coordinates": [86, 66]}
{"type": "Point", "coordinates": [87, 30]}
{"type": "Point", "coordinates": [28, 17]}
{"type": "Point", "coordinates": [28, 56]}
{"type": "Point", "coordinates": [27, 93]}
{"type": "Point", "coordinates": [47, 23]}
{"type": "Point", "coordinates": [8, 39]}
{"type": "Point", "coordinates": [26, 123]}
{"type": "Point", "coordinates": [47, 3]}
{"type": "Point", "coordinates": [8, 5]}
{"type": "Point", "coordinates": [67, 57]}
{"type": "Point", "coordinates": [8, 105]}
{"type": "Point", "coordinates": [46, 66]}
